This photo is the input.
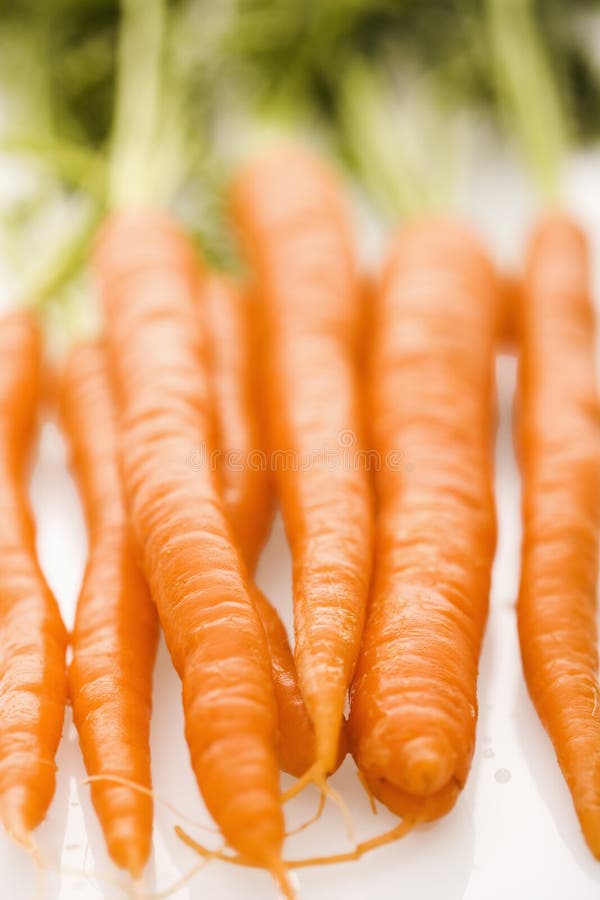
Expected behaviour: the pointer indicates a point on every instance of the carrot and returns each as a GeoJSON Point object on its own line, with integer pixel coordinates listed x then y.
{"type": "Point", "coordinates": [247, 490]}
{"type": "Point", "coordinates": [413, 699]}
{"type": "Point", "coordinates": [510, 288]}
{"type": "Point", "coordinates": [148, 278]}
{"type": "Point", "coordinates": [558, 433]}
{"type": "Point", "coordinates": [32, 636]}
{"type": "Point", "coordinates": [115, 635]}
{"type": "Point", "coordinates": [368, 292]}
{"type": "Point", "coordinates": [232, 352]}
{"type": "Point", "coordinates": [296, 234]}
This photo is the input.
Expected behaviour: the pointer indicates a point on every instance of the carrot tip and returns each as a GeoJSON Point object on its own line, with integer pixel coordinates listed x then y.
{"type": "Point", "coordinates": [426, 763]}
{"type": "Point", "coordinates": [282, 878]}
{"type": "Point", "coordinates": [138, 891]}
{"type": "Point", "coordinates": [25, 839]}
{"type": "Point", "coordinates": [126, 852]}
{"type": "Point", "coordinates": [14, 823]}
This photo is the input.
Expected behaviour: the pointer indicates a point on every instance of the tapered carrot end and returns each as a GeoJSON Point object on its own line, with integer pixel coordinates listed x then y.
{"type": "Point", "coordinates": [589, 820]}
{"type": "Point", "coordinates": [328, 738]}
{"type": "Point", "coordinates": [16, 828]}
{"type": "Point", "coordinates": [15, 813]}
{"type": "Point", "coordinates": [124, 808]}
{"type": "Point", "coordinates": [593, 842]}
{"type": "Point", "coordinates": [426, 763]}
{"type": "Point", "coordinates": [129, 842]}
{"type": "Point", "coordinates": [282, 878]}
{"type": "Point", "coordinates": [129, 854]}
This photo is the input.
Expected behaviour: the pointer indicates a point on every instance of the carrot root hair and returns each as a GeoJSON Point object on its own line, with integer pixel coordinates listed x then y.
{"type": "Point", "coordinates": [104, 878]}
{"type": "Point", "coordinates": [133, 889]}
{"type": "Point", "coordinates": [311, 821]}
{"type": "Point", "coordinates": [278, 869]}
{"type": "Point", "coordinates": [142, 789]}
{"type": "Point", "coordinates": [317, 775]}
{"type": "Point", "coordinates": [178, 884]}
{"type": "Point", "coordinates": [370, 795]}
{"type": "Point", "coordinates": [380, 840]}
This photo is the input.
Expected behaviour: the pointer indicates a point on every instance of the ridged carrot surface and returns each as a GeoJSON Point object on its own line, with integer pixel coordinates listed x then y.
{"type": "Point", "coordinates": [116, 629]}
{"type": "Point", "coordinates": [558, 434]}
{"type": "Point", "coordinates": [233, 358]}
{"type": "Point", "coordinates": [148, 277]}
{"type": "Point", "coordinates": [32, 636]}
{"type": "Point", "coordinates": [296, 234]}
{"type": "Point", "coordinates": [247, 485]}
{"type": "Point", "coordinates": [413, 700]}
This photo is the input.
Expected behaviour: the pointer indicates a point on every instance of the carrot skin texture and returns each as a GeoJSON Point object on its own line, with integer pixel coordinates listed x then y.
{"type": "Point", "coordinates": [296, 743]}
{"type": "Point", "coordinates": [244, 468]}
{"type": "Point", "coordinates": [247, 486]}
{"type": "Point", "coordinates": [116, 628]}
{"type": "Point", "coordinates": [32, 635]}
{"type": "Point", "coordinates": [558, 436]}
{"type": "Point", "coordinates": [413, 699]}
{"type": "Point", "coordinates": [148, 277]}
{"type": "Point", "coordinates": [295, 232]}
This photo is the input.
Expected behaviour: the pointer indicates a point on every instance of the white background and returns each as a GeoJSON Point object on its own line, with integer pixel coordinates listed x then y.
{"type": "Point", "coordinates": [513, 832]}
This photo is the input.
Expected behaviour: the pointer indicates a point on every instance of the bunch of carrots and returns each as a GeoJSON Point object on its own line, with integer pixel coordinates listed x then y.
{"type": "Point", "coordinates": [391, 567]}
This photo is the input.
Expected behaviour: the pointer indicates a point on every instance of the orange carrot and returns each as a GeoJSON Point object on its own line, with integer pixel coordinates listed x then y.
{"type": "Point", "coordinates": [116, 630]}
{"type": "Point", "coordinates": [368, 293]}
{"type": "Point", "coordinates": [247, 489]}
{"type": "Point", "coordinates": [558, 433]}
{"type": "Point", "coordinates": [510, 294]}
{"type": "Point", "coordinates": [148, 277]}
{"type": "Point", "coordinates": [234, 369]}
{"type": "Point", "coordinates": [32, 636]}
{"type": "Point", "coordinates": [413, 699]}
{"type": "Point", "coordinates": [296, 233]}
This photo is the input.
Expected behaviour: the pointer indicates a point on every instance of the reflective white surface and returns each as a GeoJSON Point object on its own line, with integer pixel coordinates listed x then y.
{"type": "Point", "coordinates": [513, 832]}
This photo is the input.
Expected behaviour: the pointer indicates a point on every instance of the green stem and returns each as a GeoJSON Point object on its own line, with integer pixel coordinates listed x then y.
{"type": "Point", "coordinates": [172, 154]}
{"type": "Point", "coordinates": [45, 284]}
{"type": "Point", "coordinates": [528, 91]}
{"type": "Point", "coordinates": [139, 61]}
{"type": "Point", "coordinates": [373, 143]}
{"type": "Point", "coordinates": [71, 162]}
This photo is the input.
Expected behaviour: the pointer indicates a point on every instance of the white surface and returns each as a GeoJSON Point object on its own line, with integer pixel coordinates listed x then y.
{"type": "Point", "coordinates": [513, 832]}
